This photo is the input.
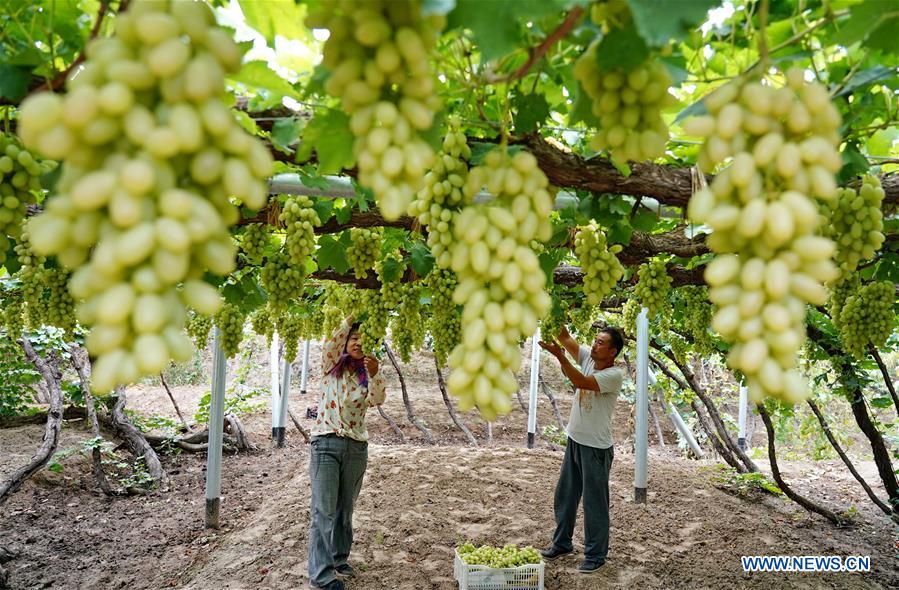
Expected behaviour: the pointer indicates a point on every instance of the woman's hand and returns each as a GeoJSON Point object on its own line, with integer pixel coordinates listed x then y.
{"type": "Point", "coordinates": [371, 365]}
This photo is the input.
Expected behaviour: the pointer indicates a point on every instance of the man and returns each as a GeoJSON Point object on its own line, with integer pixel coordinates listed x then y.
{"type": "Point", "coordinates": [351, 384]}
{"type": "Point", "coordinates": [588, 456]}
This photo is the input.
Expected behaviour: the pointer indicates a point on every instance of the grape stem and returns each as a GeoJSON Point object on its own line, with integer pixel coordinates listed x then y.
{"type": "Point", "coordinates": [537, 53]}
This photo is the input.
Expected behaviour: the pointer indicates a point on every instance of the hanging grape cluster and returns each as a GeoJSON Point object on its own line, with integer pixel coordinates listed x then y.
{"type": "Point", "coordinates": [282, 280]}
{"type": "Point", "coordinates": [629, 312]}
{"type": "Point", "coordinates": [300, 221]}
{"type": "Point", "coordinates": [854, 222]}
{"type": "Point", "coordinates": [841, 290]}
{"type": "Point", "coordinates": [262, 323]}
{"type": "Point", "coordinates": [438, 203]}
{"type": "Point", "coordinates": [554, 320]}
{"type": "Point", "coordinates": [378, 55]}
{"type": "Point", "coordinates": [334, 308]}
{"type": "Point", "coordinates": [627, 102]}
{"type": "Point", "coordinates": [867, 318]}
{"type": "Point", "coordinates": [152, 158]}
{"type": "Point", "coordinates": [374, 315]}
{"type": "Point", "coordinates": [770, 264]}
{"type": "Point", "coordinates": [407, 326]}
{"type": "Point", "coordinates": [290, 330]}
{"type": "Point", "coordinates": [254, 240]}
{"type": "Point", "coordinates": [364, 249]}
{"type": "Point", "coordinates": [653, 285]}
{"type": "Point", "coordinates": [582, 320]}
{"type": "Point", "coordinates": [20, 173]}
{"type": "Point", "coordinates": [197, 327]}
{"type": "Point", "coordinates": [698, 317]}
{"type": "Point", "coordinates": [13, 319]}
{"type": "Point", "coordinates": [445, 322]}
{"type": "Point", "coordinates": [30, 276]}
{"type": "Point", "coordinates": [59, 306]}
{"type": "Point", "coordinates": [501, 284]}
{"type": "Point", "coordinates": [598, 262]}
{"type": "Point", "coordinates": [230, 321]}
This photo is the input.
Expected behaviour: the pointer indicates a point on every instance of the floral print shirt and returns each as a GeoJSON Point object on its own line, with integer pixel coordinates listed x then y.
{"type": "Point", "coordinates": [344, 401]}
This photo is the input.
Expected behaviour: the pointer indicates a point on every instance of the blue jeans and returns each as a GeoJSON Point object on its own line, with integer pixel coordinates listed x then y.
{"type": "Point", "coordinates": [336, 468]}
{"type": "Point", "coordinates": [585, 472]}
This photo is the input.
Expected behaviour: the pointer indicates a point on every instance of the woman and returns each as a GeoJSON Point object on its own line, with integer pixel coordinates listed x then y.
{"type": "Point", "coordinates": [351, 384]}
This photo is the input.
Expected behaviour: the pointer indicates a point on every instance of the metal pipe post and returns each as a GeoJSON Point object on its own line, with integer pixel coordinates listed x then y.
{"type": "Point", "coordinates": [282, 403]}
{"type": "Point", "coordinates": [305, 368]}
{"type": "Point", "coordinates": [216, 426]}
{"type": "Point", "coordinates": [744, 400]}
{"type": "Point", "coordinates": [641, 436]}
{"type": "Point", "coordinates": [532, 398]}
{"type": "Point", "coordinates": [274, 363]}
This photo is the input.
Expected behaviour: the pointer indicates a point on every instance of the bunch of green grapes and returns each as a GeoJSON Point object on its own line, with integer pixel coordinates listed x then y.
{"type": "Point", "coordinates": [611, 14]}
{"type": "Point", "coordinates": [698, 317]}
{"type": "Point", "coordinates": [583, 321]}
{"type": "Point", "coordinates": [407, 326]}
{"type": "Point", "coordinates": [374, 317]}
{"type": "Point", "coordinates": [598, 262]}
{"type": "Point", "coordinates": [333, 308]}
{"type": "Point", "coordinates": [509, 555]}
{"type": "Point", "coordinates": [300, 221]}
{"type": "Point", "coordinates": [855, 223]}
{"type": "Point", "coordinates": [629, 312]}
{"type": "Point", "coordinates": [364, 250]}
{"type": "Point", "coordinates": [628, 102]}
{"type": "Point", "coordinates": [444, 323]}
{"type": "Point", "coordinates": [254, 240]}
{"type": "Point", "coordinates": [197, 327]}
{"type": "Point", "coordinates": [282, 280]}
{"type": "Point", "coordinates": [438, 203]}
{"type": "Point", "coordinates": [552, 324]}
{"type": "Point", "coordinates": [841, 290]}
{"type": "Point", "coordinates": [290, 330]}
{"type": "Point", "coordinates": [13, 319]}
{"type": "Point", "coordinates": [652, 287]}
{"type": "Point", "coordinates": [20, 173]}
{"type": "Point", "coordinates": [31, 277]}
{"type": "Point", "coordinates": [59, 306]}
{"type": "Point", "coordinates": [263, 323]}
{"type": "Point", "coordinates": [153, 158]}
{"type": "Point", "coordinates": [771, 263]}
{"type": "Point", "coordinates": [391, 287]}
{"type": "Point", "coordinates": [314, 321]}
{"type": "Point", "coordinates": [867, 319]}
{"type": "Point", "coordinates": [501, 284]}
{"type": "Point", "coordinates": [378, 56]}
{"type": "Point", "coordinates": [230, 321]}
{"type": "Point", "coordinates": [678, 347]}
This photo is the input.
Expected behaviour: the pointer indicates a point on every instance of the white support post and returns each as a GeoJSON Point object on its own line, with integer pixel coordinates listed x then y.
{"type": "Point", "coordinates": [274, 364]}
{"type": "Point", "coordinates": [305, 371]}
{"type": "Point", "coordinates": [641, 436]}
{"type": "Point", "coordinates": [744, 400]}
{"type": "Point", "coordinates": [532, 397]}
{"type": "Point", "coordinates": [216, 426]}
{"type": "Point", "coordinates": [678, 421]}
{"type": "Point", "coordinates": [282, 402]}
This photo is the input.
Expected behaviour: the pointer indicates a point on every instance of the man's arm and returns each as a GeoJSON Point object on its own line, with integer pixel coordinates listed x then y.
{"type": "Point", "coordinates": [568, 341]}
{"type": "Point", "coordinates": [581, 381]}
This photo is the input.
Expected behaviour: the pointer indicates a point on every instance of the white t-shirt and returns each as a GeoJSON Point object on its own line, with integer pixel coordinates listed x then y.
{"type": "Point", "coordinates": [591, 412]}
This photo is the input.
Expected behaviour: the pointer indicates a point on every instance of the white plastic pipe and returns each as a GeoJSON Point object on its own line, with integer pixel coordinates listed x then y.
{"type": "Point", "coordinates": [282, 402]}
{"type": "Point", "coordinates": [641, 436]}
{"type": "Point", "coordinates": [274, 363]}
{"type": "Point", "coordinates": [677, 420]}
{"type": "Point", "coordinates": [305, 368]}
{"type": "Point", "coordinates": [216, 426]}
{"type": "Point", "coordinates": [744, 400]}
{"type": "Point", "coordinates": [532, 397]}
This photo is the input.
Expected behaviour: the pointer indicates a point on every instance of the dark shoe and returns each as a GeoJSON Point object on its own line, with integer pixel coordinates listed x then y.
{"type": "Point", "coordinates": [589, 566]}
{"type": "Point", "coordinates": [552, 552]}
{"type": "Point", "coordinates": [332, 585]}
{"type": "Point", "coordinates": [345, 570]}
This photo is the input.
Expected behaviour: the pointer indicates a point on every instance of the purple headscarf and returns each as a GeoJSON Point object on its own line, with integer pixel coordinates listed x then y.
{"type": "Point", "coordinates": [347, 362]}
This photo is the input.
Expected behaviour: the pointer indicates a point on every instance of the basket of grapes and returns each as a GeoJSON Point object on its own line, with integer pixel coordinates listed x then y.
{"type": "Point", "coordinates": [498, 568]}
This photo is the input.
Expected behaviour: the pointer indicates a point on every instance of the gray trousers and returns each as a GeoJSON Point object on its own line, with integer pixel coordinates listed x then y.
{"type": "Point", "coordinates": [585, 473]}
{"type": "Point", "coordinates": [336, 468]}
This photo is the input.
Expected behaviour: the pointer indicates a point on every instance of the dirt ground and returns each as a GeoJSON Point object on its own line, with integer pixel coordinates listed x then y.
{"type": "Point", "coordinates": [418, 501]}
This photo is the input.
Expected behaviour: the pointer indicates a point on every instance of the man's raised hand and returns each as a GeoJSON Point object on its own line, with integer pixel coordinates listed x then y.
{"type": "Point", "coordinates": [551, 347]}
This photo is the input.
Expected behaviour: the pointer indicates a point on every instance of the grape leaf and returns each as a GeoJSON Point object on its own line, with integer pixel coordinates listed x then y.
{"type": "Point", "coordinates": [495, 24]}
{"type": "Point", "coordinates": [422, 259]}
{"type": "Point", "coordinates": [329, 133]}
{"type": "Point", "coordinates": [285, 133]}
{"type": "Point", "coordinates": [14, 82]}
{"type": "Point", "coordinates": [659, 21]}
{"type": "Point", "coordinates": [275, 17]}
{"type": "Point", "coordinates": [332, 252]}
{"type": "Point", "coordinates": [621, 48]}
{"type": "Point", "coordinates": [531, 110]}
{"type": "Point", "coordinates": [257, 74]}
{"type": "Point", "coordinates": [323, 208]}
{"type": "Point", "coordinates": [392, 269]}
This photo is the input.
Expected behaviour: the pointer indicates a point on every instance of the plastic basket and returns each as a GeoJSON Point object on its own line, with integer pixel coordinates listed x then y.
{"type": "Point", "coordinates": [481, 577]}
